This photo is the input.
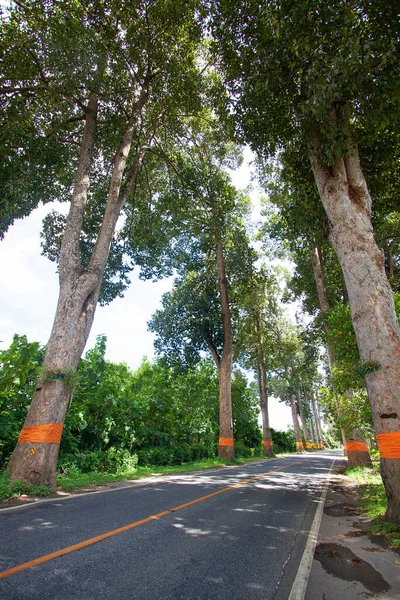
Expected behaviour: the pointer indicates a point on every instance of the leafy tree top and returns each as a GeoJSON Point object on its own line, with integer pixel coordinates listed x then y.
{"type": "Point", "coordinates": [54, 54]}
{"type": "Point", "coordinates": [286, 65]}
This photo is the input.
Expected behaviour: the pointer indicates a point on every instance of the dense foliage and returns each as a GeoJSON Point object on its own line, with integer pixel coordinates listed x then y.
{"type": "Point", "coordinates": [119, 418]}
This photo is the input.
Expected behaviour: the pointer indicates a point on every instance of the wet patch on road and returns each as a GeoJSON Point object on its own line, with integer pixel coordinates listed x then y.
{"type": "Point", "coordinates": [353, 534]}
{"type": "Point", "coordinates": [341, 562]}
{"type": "Point", "coordinates": [341, 510]}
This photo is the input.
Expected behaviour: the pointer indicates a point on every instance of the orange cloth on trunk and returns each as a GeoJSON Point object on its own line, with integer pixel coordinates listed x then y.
{"type": "Point", "coordinates": [225, 441]}
{"type": "Point", "coordinates": [356, 447]}
{"type": "Point", "coordinates": [389, 444]}
{"type": "Point", "coordinates": [48, 434]}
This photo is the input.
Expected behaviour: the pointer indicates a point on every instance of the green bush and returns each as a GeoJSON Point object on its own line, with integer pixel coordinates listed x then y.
{"type": "Point", "coordinates": [242, 451]}
{"type": "Point", "coordinates": [182, 454]}
{"type": "Point", "coordinates": [17, 488]}
{"type": "Point", "coordinates": [103, 461]}
{"type": "Point", "coordinates": [283, 441]}
{"type": "Point", "coordinates": [156, 455]}
{"type": "Point", "coordinates": [175, 455]}
{"type": "Point", "coordinates": [200, 451]}
{"type": "Point", "coordinates": [118, 461]}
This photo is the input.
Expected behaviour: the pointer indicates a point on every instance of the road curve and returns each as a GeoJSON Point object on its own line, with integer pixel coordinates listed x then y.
{"type": "Point", "coordinates": [225, 534]}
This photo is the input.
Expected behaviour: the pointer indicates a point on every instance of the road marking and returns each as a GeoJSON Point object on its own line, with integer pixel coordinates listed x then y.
{"type": "Point", "coordinates": [300, 583]}
{"type": "Point", "coordinates": [89, 542]}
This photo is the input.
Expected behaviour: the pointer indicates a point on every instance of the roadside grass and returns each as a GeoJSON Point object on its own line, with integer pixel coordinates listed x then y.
{"type": "Point", "coordinates": [18, 488]}
{"type": "Point", "coordinates": [84, 481]}
{"type": "Point", "coordinates": [374, 503]}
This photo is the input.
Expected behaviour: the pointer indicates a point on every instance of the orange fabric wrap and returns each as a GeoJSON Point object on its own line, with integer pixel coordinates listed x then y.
{"type": "Point", "coordinates": [308, 445]}
{"type": "Point", "coordinates": [225, 441]}
{"type": "Point", "coordinates": [356, 447]}
{"type": "Point", "coordinates": [389, 444]}
{"type": "Point", "coordinates": [267, 443]}
{"type": "Point", "coordinates": [48, 434]}
{"type": "Point", "coordinates": [299, 444]}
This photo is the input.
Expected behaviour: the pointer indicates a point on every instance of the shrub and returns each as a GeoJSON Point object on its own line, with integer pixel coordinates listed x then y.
{"type": "Point", "coordinates": [200, 451]}
{"type": "Point", "coordinates": [156, 455]}
{"type": "Point", "coordinates": [110, 461]}
{"type": "Point", "coordinates": [242, 451]}
{"type": "Point", "coordinates": [284, 441]}
{"type": "Point", "coordinates": [16, 488]}
{"type": "Point", "coordinates": [174, 455]}
{"type": "Point", "coordinates": [182, 454]}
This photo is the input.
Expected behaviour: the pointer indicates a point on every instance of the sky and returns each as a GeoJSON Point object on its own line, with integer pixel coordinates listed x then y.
{"type": "Point", "coordinates": [29, 294]}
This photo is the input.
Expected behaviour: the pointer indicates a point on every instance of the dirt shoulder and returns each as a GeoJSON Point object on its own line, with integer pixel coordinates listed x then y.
{"type": "Point", "coordinates": [348, 562]}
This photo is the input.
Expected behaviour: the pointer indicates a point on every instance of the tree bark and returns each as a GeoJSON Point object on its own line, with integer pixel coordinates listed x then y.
{"type": "Point", "coordinates": [318, 428]}
{"type": "Point", "coordinates": [303, 421]}
{"type": "Point", "coordinates": [297, 431]}
{"type": "Point", "coordinates": [34, 459]}
{"type": "Point", "coordinates": [344, 440]}
{"type": "Point", "coordinates": [352, 435]}
{"type": "Point", "coordinates": [263, 389]}
{"type": "Point", "coordinates": [319, 277]}
{"type": "Point", "coordinates": [225, 443]}
{"type": "Point", "coordinates": [357, 450]}
{"type": "Point", "coordinates": [312, 433]}
{"type": "Point", "coordinates": [388, 250]}
{"type": "Point", "coordinates": [347, 202]}
{"type": "Point", "coordinates": [263, 393]}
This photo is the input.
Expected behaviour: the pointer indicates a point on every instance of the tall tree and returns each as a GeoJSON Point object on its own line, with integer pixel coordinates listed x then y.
{"type": "Point", "coordinates": [134, 65]}
{"type": "Point", "coordinates": [258, 335]}
{"type": "Point", "coordinates": [196, 314]}
{"type": "Point", "coordinates": [317, 279]}
{"type": "Point", "coordinates": [209, 241]}
{"type": "Point", "coordinates": [313, 74]}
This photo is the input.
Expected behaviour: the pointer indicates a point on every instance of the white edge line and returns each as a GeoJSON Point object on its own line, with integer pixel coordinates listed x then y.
{"type": "Point", "coordinates": [300, 583]}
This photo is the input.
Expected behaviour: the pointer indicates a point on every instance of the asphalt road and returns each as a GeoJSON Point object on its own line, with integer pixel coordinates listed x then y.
{"type": "Point", "coordinates": [243, 543]}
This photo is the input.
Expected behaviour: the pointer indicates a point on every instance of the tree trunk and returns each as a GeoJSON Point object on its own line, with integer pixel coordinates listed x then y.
{"type": "Point", "coordinates": [34, 459]}
{"type": "Point", "coordinates": [225, 443]}
{"type": "Point", "coordinates": [319, 276]}
{"type": "Point", "coordinates": [297, 431]}
{"type": "Point", "coordinates": [303, 421]}
{"type": "Point", "coordinates": [357, 450]}
{"type": "Point", "coordinates": [263, 392]}
{"type": "Point", "coordinates": [312, 433]}
{"type": "Point", "coordinates": [344, 441]}
{"type": "Point", "coordinates": [388, 250]}
{"type": "Point", "coordinates": [346, 200]}
{"type": "Point", "coordinates": [318, 428]}
{"type": "Point", "coordinates": [356, 447]}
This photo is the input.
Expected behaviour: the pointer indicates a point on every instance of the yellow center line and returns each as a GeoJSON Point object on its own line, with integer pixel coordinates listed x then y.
{"type": "Point", "coordinates": [89, 542]}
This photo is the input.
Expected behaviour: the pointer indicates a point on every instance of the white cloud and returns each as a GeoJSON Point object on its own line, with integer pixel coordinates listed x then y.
{"type": "Point", "coordinates": [30, 293]}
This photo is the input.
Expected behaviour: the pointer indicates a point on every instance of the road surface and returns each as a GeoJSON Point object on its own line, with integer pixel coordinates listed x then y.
{"type": "Point", "coordinates": [227, 534]}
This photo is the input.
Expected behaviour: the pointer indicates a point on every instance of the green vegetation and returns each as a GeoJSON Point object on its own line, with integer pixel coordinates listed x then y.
{"type": "Point", "coordinates": [374, 503]}
{"type": "Point", "coordinates": [119, 419]}
{"type": "Point", "coordinates": [128, 425]}
{"type": "Point", "coordinates": [19, 488]}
